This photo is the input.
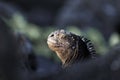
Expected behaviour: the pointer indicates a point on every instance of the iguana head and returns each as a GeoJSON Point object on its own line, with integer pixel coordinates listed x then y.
{"type": "Point", "coordinates": [70, 47]}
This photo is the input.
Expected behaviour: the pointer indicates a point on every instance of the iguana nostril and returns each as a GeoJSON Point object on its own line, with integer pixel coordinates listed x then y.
{"type": "Point", "coordinates": [51, 35]}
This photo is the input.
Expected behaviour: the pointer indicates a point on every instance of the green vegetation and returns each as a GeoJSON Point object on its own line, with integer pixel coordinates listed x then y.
{"type": "Point", "coordinates": [38, 35]}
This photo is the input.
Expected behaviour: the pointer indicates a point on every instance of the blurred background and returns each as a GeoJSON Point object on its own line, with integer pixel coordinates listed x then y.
{"type": "Point", "coordinates": [98, 20]}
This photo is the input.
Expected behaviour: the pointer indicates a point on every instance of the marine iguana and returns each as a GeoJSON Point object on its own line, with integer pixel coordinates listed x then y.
{"type": "Point", "coordinates": [70, 48]}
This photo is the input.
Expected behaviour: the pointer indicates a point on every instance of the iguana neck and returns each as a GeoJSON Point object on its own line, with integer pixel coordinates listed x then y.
{"type": "Point", "coordinates": [63, 55]}
{"type": "Point", "coordinates": [68, 57]}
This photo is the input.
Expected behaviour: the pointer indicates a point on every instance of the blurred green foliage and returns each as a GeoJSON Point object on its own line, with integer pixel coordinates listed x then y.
{"type": "Point", "coordinates": [38, 35]}
{"type": "Point", "coordinates": [114, 39]}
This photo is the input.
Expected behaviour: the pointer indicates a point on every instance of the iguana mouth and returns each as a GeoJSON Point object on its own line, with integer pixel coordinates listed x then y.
{"type": "Point", "coordinates": [50, 40]}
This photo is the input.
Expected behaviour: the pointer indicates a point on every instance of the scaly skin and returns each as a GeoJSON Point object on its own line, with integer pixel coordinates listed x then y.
{"type": "Point", "coordinates": [70, 48]}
